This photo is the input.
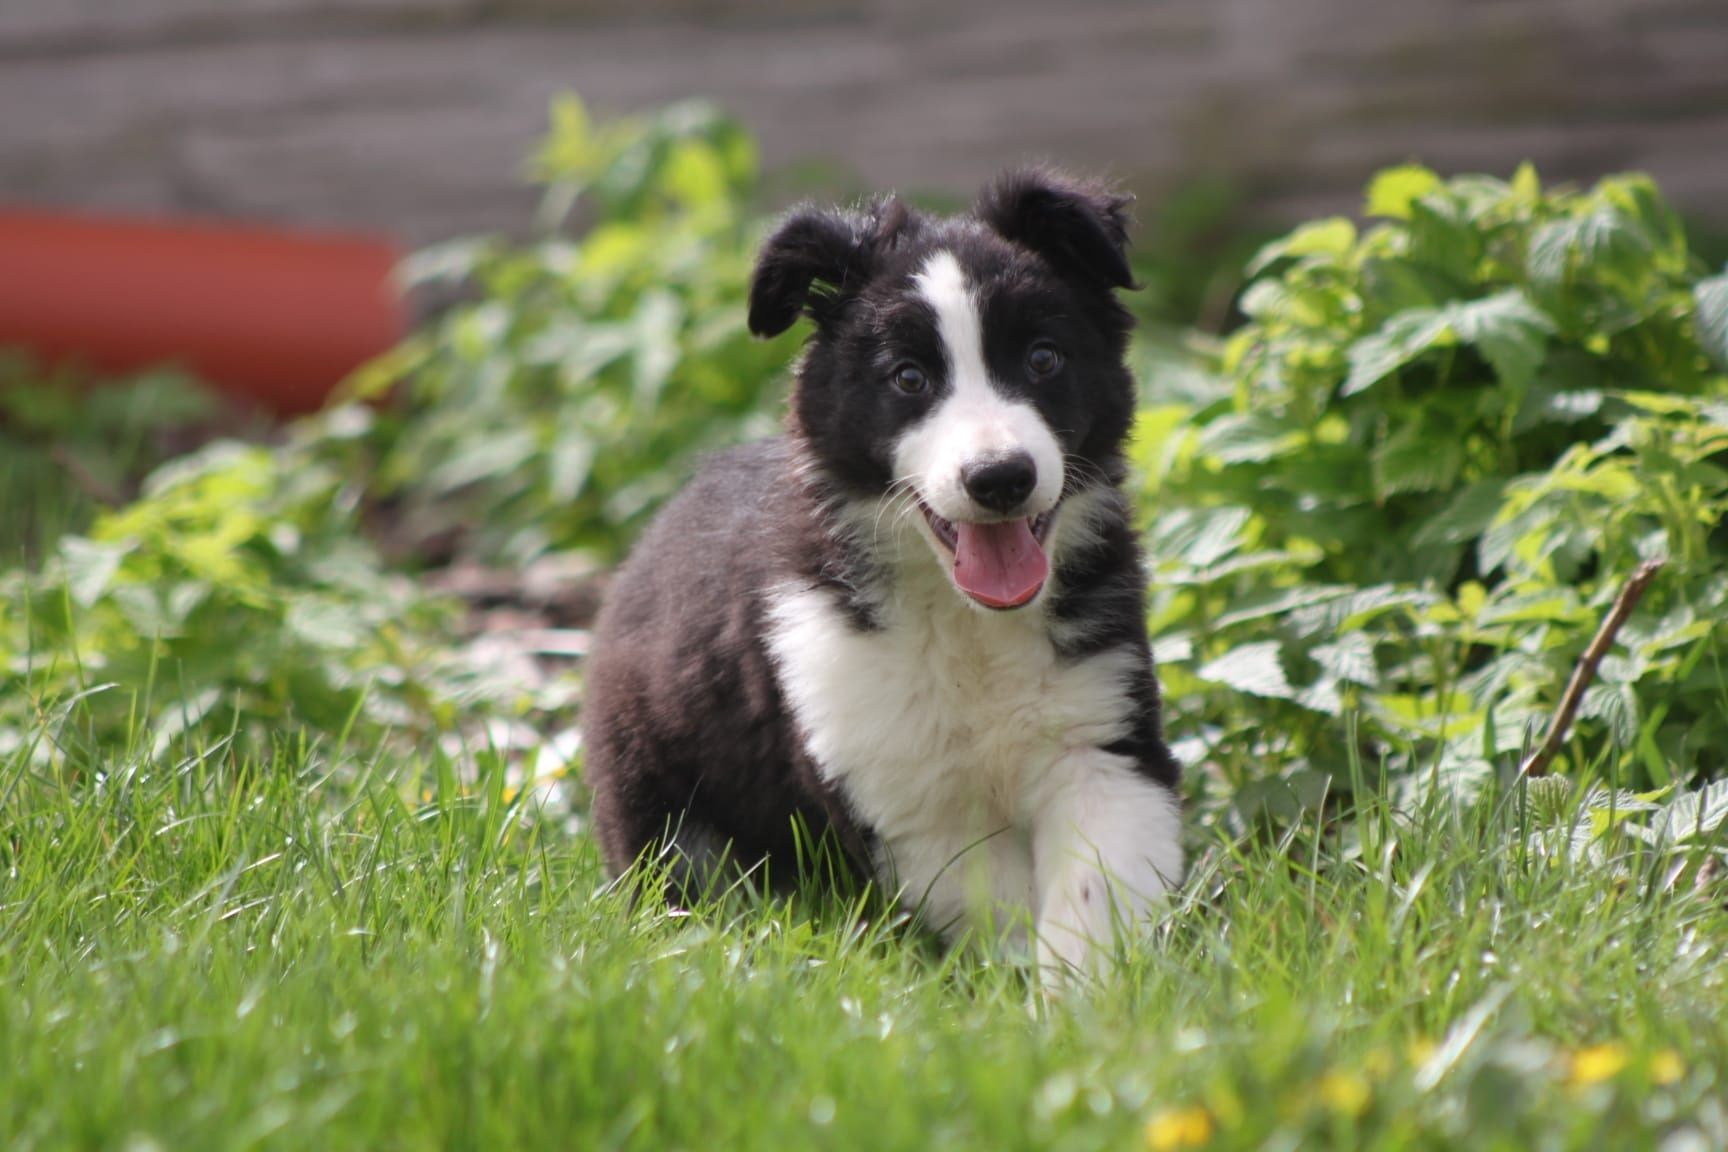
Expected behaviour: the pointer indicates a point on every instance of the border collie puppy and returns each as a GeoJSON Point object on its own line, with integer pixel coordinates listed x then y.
{"type": "Point", "coordinates": [915, 622]}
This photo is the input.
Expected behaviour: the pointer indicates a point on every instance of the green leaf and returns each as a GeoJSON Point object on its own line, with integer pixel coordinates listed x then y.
{"type": "Point", "coordinates": [1710, 317]}
{"type": "Point", "coordinates": [1510, 332]}
{"type": "Point", "coordinates": [1696, 815]}
{"type": "Point", "coordinates": [1350, 657]}
{"type": "Point", "coordinates": [695, 175]}
{"type": "Point", "coordinates": [90, 566]}
{"type": "Point", "coordinates": [1414, 461]}
{"type": "Point", "coordinates": [658, 318]}
{"type": "Point", "coordinates": [1393, 191]}
{"type": "Point", "coordinates": [1333, 236]}
{"type": "Point", "coordinates": [1253, 668]}
{"type": "Point", "coordinates": [1259, 606]}
{"type": "Point", "coordinates": [570, 460]}
{"type": "Point", "coordinates": [1444, 236]}
{"type": "Point", "coordinates": [1399, 341]}
{"type": "Point", "coordinates": [1526, 185]}
{"type": "Point", "coordinates": [1469, 513]}
{"type": "Point", "coordinates": [1617, 706]}
{"type": "Point", "coordinates": [1603, 239]}
{"type": "Point", "coordinates": [1198, 537]}
{"type": "Point", "coordinates": [1250, 437]}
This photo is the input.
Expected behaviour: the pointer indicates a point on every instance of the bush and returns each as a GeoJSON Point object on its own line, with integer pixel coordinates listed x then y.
{"type": "Point", "coordinates": [557, 408]}
{"type": "Point", "coordinates": [1420, 476]}
{"type": "Point", "coordinates": [69, 444]}
{"type": "Point", "coordinates": [236, 595]}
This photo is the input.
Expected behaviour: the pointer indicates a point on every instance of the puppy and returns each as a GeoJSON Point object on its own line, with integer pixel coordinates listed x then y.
{"type": "Point", "coordinates": [915, 623]}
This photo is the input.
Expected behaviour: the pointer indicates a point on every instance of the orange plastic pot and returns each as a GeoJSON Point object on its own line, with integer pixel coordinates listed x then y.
{"type": "Point", "coordinates": [276, 318]}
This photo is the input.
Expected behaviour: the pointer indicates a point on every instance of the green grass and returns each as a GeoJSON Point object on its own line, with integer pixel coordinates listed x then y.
{"type": "Point", "coordinates": [345, 949]}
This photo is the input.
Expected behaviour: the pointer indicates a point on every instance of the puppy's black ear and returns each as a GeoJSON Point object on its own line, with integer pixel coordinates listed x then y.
{"type": "Point", "coordinates": [1081, 228]}
{"type": "Point", "coordinates": [813, 247]}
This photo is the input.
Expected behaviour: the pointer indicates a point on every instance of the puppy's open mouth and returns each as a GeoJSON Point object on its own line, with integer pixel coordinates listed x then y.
{"type": "Point", "coordinates": [1000, 565]}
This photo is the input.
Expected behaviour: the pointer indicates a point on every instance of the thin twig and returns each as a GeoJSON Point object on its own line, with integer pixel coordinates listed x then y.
{"type": "Point", "coordinates": [1585, 672]}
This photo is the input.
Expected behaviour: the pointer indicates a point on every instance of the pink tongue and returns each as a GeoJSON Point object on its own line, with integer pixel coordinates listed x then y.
{"type": "Point", "coordinates": [999, 565]}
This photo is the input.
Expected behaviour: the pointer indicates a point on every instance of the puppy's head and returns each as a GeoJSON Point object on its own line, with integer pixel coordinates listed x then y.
{"type": "Point", "coordinates": [970, 366]}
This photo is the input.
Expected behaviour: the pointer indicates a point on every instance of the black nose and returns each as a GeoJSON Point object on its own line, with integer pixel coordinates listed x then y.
{"type": "Point", "coordinates": [1000, 483]}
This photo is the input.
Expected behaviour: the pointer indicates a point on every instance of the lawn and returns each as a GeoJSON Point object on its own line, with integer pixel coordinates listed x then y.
{"type": "Point", "coordinates": [291, 824]}
{"type": "Point", "coordinates": [334, 948]}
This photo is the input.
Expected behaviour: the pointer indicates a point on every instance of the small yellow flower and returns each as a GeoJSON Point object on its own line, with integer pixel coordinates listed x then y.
{"type": "Point", "coordinates": [1596, 1063]}
{"type": "Point", "coordinates": [1666, 1067]}
{"type": "Point", "coordinates": [1419, 1049]}
{"type": "Point", "coordinates": [1177, 1128]}
{"type": "Point", "coordinates": [1344, 1093]}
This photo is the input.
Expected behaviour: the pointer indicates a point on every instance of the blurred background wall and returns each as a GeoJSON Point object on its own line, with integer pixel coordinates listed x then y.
{"type": "Point", "coordinates": [414, 116]}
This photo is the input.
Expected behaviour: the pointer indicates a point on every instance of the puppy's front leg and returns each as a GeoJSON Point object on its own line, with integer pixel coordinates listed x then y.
{"type": "Point", "coordinates": [1106, 848]}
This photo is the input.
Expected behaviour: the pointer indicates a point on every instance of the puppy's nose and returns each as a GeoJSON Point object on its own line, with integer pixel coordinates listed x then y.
{"type": "Point", "coordinates": [1000, 482]}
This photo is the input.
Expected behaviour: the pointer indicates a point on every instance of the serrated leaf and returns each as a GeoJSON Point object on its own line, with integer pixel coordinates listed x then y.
{"type": "Point", "coordinates": [1291, 600]}
{"type": "Point", "coordinates": [1263, 298]}
{"type": "Point", "coordinates": [1469, 513]}
{"type": "Point", "coordinates": [1411, 461]}
{"type": "Point", "coordinates": [1544, 406]}
{"type": "Point", "coordinates": [1710, 318]}
{"type": "Point", "coordinates": [1346, 613]}
{"type": "Point", "coordinates": [1696, 815]}
{"type": "Point", "coordinates": [1394, 190]}
{"type": "Point", "coordinates": [1399, 341]}
{"type": "Point", "coordinates": [1603, 236]}
{"type": "Point", "coordinates": [1510, 332]}
{"type": "Point", "coordinates": [1350, 657]}
{"type": "Point", "coordinates": [1198, 537]}
{"type": "Point", "coordinates": [1253, 668]}
{"type": "Point", "coordinates": [657, 320]}
{"type": "Point", "coordinates": [324, 623]}
{"type": "Point", "coordinates": [1322, 696]}
{"type": "Point", "coordinates": [483, 457]}
{"type": "Point", "coordinates": [1616, 706]}
{"type": "Point", "coordinates": [1444, 236]}
{"type": "Point", "coordinates": [1332, 236]}
{"type": "Point", "coordinates": [1177, 649]}
{"type": "Point", "coordinates": [1249, 437]}
{"type": "Point", "coordinates": [90, 566]}
{"type": "Point", "coordinates": [1532, 605]}
{"type": "Point", "coordinates": [568, 464]}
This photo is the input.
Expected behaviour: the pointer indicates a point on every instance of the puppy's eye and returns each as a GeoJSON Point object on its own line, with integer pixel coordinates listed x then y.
{"type": "Point", "coordinates": [910, 379]}
{"type": "Point", "coordinates": [1044, 359]}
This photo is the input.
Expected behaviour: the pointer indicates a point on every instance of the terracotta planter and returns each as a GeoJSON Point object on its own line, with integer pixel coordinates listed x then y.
{"type": "Point", "coordinates": [277, 318]}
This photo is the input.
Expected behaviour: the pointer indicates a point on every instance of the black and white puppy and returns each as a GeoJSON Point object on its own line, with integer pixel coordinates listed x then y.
{"type": "Point", "coordinates": [916, 621]}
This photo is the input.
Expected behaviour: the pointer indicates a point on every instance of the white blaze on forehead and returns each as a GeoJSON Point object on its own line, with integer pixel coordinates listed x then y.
{"type": "Point", "coordinates": [973, 419]}
{"type": "Point", "coordinates": [942, 285]}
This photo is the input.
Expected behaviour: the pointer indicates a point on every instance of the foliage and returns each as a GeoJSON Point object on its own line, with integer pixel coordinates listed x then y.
{"type": "Point", "coordinates": [562, 403]}
{"type": "Point", "coordinates": [1426, 466]}
{"type": "Point", "coordinates": [68, 443]}
{"type": "Point", "coordinates": [237, 594]}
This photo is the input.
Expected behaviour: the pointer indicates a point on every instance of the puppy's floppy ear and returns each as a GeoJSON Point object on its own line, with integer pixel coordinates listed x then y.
{"type": "Point", "coordinates": [815, 247]}
{"type": "Point", "coordinates": [1080, 227]}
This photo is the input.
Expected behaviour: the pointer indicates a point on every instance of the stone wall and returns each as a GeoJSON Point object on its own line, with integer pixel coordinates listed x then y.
{"type": "Point", "coordinates": [414, 115]}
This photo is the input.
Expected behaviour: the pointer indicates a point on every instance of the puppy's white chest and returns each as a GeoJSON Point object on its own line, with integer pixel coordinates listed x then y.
{"type": "Point", "coordinates": [945, 728]}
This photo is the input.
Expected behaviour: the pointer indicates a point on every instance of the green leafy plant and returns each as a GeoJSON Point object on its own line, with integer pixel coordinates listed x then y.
{"type": "Point", "coordinates": [237, 594]}
{"type": "Point", "coordinates": [69, 444]}
{"type": "Point", "coordinates": [1418, 478]}
{"type": "Point", "coordinates": [561, 403]}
